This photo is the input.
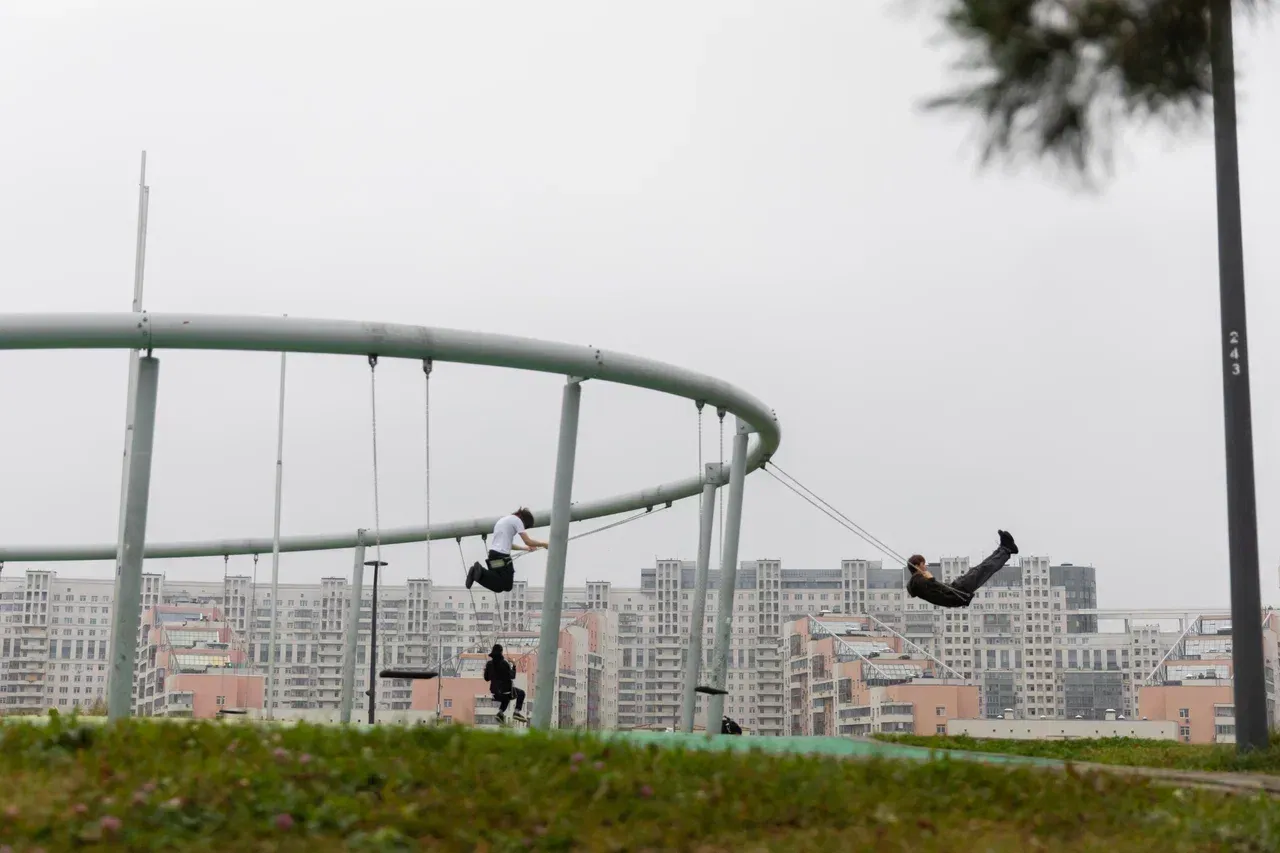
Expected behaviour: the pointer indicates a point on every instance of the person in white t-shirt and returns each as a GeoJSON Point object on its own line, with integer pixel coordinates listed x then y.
{"type": "Point", "coordinates": [499, 573]}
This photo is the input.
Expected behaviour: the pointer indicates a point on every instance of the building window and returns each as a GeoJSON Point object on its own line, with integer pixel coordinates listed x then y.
{"type": "Point", "coordinates": [1184, 732]}
{"type": "Point", "coordinates": [221, 700]}
{"type": "Point", "coordinates": [940, 711]}
{"type": "Point", "coordinates": [448, 703]}
{"type": "Point", "coordinates": [940, 730]}
{"type": "Point", "coordinates": [1184, 713]}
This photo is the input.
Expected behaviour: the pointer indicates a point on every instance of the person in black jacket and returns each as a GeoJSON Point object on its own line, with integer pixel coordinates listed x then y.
{"type": "Point", "coordinates": [729, 726]}
{"type": "Point", "coordinates": [500, 673]}
{"type": "Point", "coordinates": [924, 585]}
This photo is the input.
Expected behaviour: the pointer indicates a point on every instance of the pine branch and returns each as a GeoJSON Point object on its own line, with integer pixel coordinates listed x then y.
{"type": "Point", "coordinates": [1054, 77]}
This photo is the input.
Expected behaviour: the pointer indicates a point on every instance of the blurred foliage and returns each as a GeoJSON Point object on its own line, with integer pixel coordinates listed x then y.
{"type": "Point", "coordinates": [1057, 78]}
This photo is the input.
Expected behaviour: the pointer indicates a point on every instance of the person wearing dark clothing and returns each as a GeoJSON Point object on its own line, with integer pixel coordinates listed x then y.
{"type": "Point", "coordinates": [730, 727]}
{"type": "Point", "coordinates": [501, 673]}
{"type": "Point", "coordinates": [924, 585]}
{"type": "Point", "coordinates": [498, 574]}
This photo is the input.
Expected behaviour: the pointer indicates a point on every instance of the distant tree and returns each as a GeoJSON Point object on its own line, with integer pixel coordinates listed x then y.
{"type": "Point", "coordinates": [1055, 78]}
{"type": "Point", "coordinates": [97, 709]}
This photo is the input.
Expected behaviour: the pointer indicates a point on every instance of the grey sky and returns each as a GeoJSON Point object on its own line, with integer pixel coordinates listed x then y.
{"type": "Point", "coordinates": [746, 189]}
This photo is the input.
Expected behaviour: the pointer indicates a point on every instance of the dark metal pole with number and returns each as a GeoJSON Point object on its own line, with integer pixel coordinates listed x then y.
{"type": "Point", "coordinates": [1242, 512]}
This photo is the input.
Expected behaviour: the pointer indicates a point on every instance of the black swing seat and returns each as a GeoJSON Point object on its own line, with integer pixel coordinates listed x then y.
{"type": "Point", "coordinates": [710, 691]}
{"type": "Point", "coordinates": [232, 712]}
{"type": "Point", "coordinates": [408, 673]}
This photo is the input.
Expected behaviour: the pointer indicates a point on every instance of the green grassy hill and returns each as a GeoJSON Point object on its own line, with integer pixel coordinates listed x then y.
{"type": "Point", "coordinates": [146, 785]}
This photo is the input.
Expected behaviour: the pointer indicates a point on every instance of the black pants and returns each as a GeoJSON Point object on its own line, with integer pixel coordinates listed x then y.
{"type": "Point", "coordinates": [497, 573]}
{"type": "Point", "coordinates": [972, 580]}
{"type": "Point", "coordinates": [505, 699]}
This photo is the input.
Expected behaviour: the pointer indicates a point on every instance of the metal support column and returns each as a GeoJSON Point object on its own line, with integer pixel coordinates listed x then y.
{"type": "Point", "coordinates": [728, 574]}
{"type": "Point", "coordinates": [553, 593]}
{"type": "Point", "coordinates": [139, 266]}
{"type": "Point", "coordinates": [697, 615]}
{"type": "Point", "coordinates": [128, 588]}
{"type": "Point", "coordinates": [353, 634]}
{"type": "Point", "coordinates": [1242, 511]}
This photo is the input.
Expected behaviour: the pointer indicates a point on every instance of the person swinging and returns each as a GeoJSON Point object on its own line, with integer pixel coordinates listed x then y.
{"type": "Point", "coordinates": [499, 572]}
{"type": "Point", "coordinates": [501, 673]}
{"type": "Point", "coordinates": [959, 593]}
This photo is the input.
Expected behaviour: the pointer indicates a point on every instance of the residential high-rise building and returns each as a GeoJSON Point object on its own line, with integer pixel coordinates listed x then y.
{"type": "Point", "coordinates": [1020, 643]}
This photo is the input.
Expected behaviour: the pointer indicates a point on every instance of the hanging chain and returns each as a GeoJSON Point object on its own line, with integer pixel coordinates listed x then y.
{"type": "Point", "coordinates": [720, 413]}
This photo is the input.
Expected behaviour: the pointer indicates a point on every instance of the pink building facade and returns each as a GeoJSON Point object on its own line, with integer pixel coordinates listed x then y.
{"type": "Point", "coordinates": [190, 666]}
{"type": "Point", "coordinates": [1205, 713]}
{"type": "Point", "coordinates": [862, 684]}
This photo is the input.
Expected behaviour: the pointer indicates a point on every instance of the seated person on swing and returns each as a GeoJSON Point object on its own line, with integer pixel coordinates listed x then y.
{"type": "Point", "coordinates": [501, 673]}
{"type": "Point", "coordinates": [499, 573]}
{"type": "Point", "coordinates": [959, 593]}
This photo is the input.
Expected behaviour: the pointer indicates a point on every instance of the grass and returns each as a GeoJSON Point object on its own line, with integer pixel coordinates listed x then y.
{"type": "Point", "coordinates": [150, 785]}
{"type": "Point", "coordinates": [1125, 751]}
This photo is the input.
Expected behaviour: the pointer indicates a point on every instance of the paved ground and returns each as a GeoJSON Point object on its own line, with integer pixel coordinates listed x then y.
{"type": "Point", "coordinates": [1239, 783]}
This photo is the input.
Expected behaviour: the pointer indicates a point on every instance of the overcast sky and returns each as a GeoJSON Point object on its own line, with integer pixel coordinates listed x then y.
{"type": "Point", "coordinates": [744, 189]}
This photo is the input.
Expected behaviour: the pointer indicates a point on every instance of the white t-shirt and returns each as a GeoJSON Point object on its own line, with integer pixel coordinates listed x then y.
{"type": "Point", "coordinates": [504, 533]}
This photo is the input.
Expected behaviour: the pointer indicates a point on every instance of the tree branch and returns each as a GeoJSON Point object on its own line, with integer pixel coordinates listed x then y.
{"type": "Point", "coordinates": [1053, 77]}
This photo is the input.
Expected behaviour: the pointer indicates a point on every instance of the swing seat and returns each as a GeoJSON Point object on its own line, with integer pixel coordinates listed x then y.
{"type": "Point", "coordinates": [408, 673]}
{"type": "Point", "coordinates": [710, 691]}
{"type": "Point", "coordinates": [232, 712]}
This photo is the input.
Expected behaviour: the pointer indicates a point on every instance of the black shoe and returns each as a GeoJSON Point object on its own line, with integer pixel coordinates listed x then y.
{"type": "Point", "coordinates": [501, 718]}
{"type": "Point", "coordinates": [1006, 542]}
{"type": "Point", "coordinates": [472, 574]}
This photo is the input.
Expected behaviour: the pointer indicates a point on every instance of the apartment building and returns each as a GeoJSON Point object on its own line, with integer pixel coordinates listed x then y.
{"type": "Point", "coordinates": [54, 641]}
{"type": "Point", "coordinates": [845, 678]}
{"type": "Point", "coordinates": [189, 667]}
{"type": "Point", "coordinates": [1023, 643]}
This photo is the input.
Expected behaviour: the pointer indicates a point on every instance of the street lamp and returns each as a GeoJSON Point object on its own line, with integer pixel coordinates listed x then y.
{"type": "Point", "coordinates": [373, 639]}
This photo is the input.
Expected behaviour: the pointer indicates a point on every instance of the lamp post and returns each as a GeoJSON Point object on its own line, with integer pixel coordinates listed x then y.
{"type": "Point", "coordinates": [373, 640]}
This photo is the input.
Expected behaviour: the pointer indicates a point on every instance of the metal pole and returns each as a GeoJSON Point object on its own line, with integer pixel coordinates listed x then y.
{"type": "Point", "coordinates": [124, 641]}
{"type": "Point", "coordinates": [275, 551]}
{"type": "Point", "coordinates": [697, 615]}
{"type": "Point", "coordinates": [728, 572]}
{"type": "Point", "coordinates": [1242, 512]}
{"type": "Point", "coordinates": [353, 634]}
{"type": "Point", "coordinates": [553, 592]}
{"type": "Point", "coordinates": [373, 643]}
{"type": "Point", "coordinates": [139, 264]}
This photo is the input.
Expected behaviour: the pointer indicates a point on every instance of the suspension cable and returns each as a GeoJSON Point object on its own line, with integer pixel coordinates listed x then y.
{"type": "Point", "coordinates": [253, 612]}
{"type": "Point", "coordinates": [839, 518]}
{"type": "Point", "coordinates": [846, 518]}
{"type": "Point", "coordinates": [373, 408]}
{"type": "Point", "coordinates": [377, 518]}
{"type": "Point", "coordinates": [700, 404]}
{"type": "Point", "coordinates": [720, 512]}
{"type": "Point", "coordinates": [226, 609]}
{"type": "Point", "coordinates": [426, 371]}
{"type": "Point", "coordinates": [630, 518]}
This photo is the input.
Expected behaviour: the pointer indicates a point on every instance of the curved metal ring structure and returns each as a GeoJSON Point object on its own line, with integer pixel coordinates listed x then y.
{"type": "Point", "coordinates": [386, 340]}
